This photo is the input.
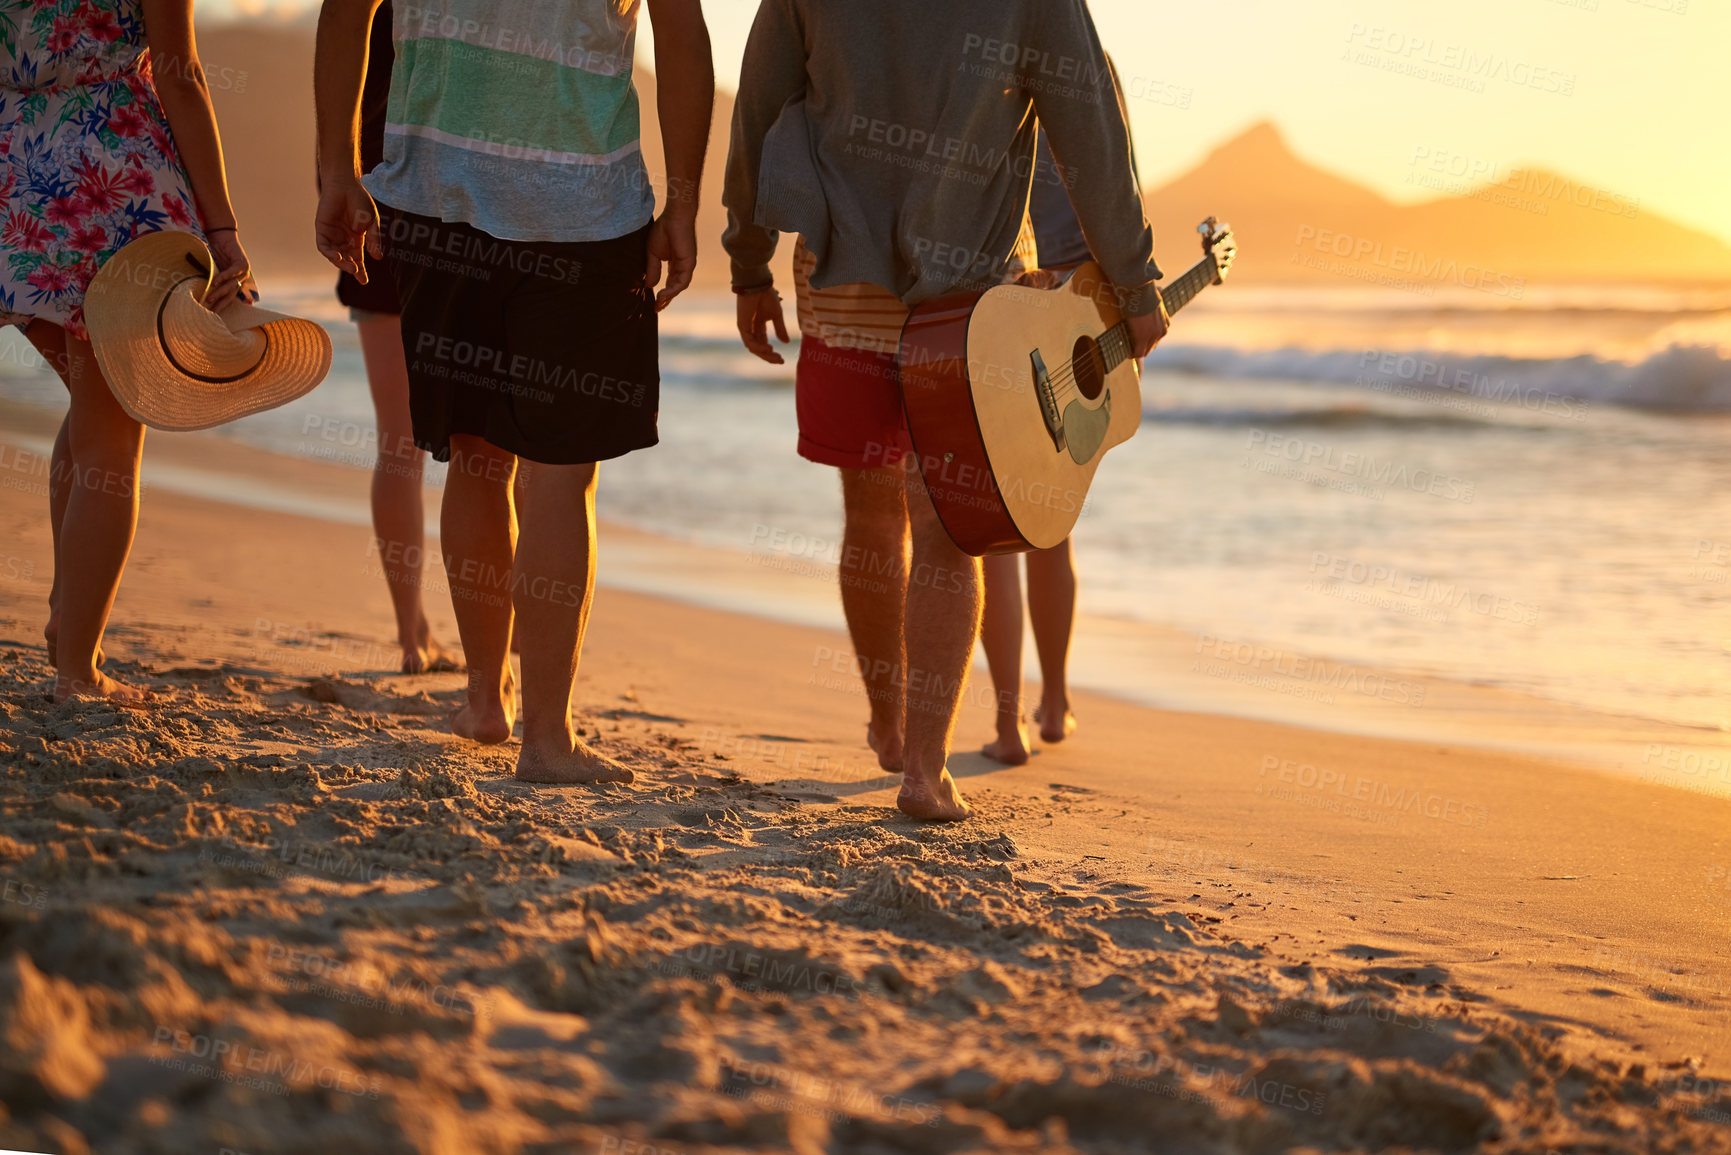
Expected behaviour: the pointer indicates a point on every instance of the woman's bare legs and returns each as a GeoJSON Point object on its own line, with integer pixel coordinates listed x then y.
{"type": "Point", "coordinates": [50, 342]}
{"type": "Point", "coordinates": [1001, 636]}
{"type": "Point", "coordinates": [103, 447]}
{"type": "Point", "coordinates": [397, 514]}
{"type": "Point", "coordinates": [1052, 608]}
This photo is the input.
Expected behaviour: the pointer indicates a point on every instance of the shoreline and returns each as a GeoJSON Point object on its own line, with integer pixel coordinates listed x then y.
{"type": "Point", "coordinates": [1137, 661]}
{"type": "Point", "coordinates": [1209, 906]}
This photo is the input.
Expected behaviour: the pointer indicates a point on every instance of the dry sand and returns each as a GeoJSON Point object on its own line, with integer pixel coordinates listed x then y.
{"type": "Point", "coordinates": [285, 912]}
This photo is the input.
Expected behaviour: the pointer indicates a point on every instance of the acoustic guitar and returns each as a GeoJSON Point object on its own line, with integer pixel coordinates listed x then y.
{"type": "Point", "coordinates": [1014, 395]}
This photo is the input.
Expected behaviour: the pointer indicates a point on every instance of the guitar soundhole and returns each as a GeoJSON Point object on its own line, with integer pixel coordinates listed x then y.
{"type": "Point", "coordinates": [1090, 368]}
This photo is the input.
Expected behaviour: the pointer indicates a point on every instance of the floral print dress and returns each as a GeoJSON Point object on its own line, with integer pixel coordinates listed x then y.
{"type": "Point", "coordinates": [86, 159]}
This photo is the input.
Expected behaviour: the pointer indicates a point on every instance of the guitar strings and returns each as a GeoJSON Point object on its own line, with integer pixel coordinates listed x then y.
{"type": "Point", "coordinates": [1063, 383]}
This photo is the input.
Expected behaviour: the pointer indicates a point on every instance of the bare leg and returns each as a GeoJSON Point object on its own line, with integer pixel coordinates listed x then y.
{"type": "Point", "coordinates": [553, 588]}
{"type": "Point", "coordinates": [50, 341]}
{"type": "Point", "coordinates": [477, 529]}
{"type": "Point", "coordinates": [397, 513]}
{"type": "Point", "coordinates": [517, 497]}
{"type": "Point", "coordinates": [59, 491]}
{"type": "Point", "coordinates": [97, 522]}
{"type": "Point", "coordinates": [874, 587]}
{"type": "Point", "coordinates": [943, 623]}
{"type": "Point", "coordinates": [1052, 607]}
{"type": "Point", "coordinates": [1001, 635]}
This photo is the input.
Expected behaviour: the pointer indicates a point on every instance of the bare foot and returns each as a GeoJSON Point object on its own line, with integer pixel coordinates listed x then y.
{"type": "Point", "coordinates": [489, 721]}
{"type": "Point", "coordinates": [429, 657]}
{"type": "Point", "coordinates": [929, 801]}
{"type": "Point", "coordinates": [889, 751]}
{"type": "Point", "coordinates": [1011, 749]}
{"type": "Point", "coordinates": [1051, 731]}
{"type": "Point", "coordinates": [550, 765]}
{"type": "Point", "coordinates": [96, 684]}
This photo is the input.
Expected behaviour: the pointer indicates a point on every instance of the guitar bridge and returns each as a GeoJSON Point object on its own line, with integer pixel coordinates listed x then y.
{"type": "Point", "coordinates": [1048, 402]}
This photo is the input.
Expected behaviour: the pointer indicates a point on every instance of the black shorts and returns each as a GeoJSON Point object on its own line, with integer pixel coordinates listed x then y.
{"type": "Point", "coordinates": [378, 296]}
{"type": "Point", "coordinates": [548, 351]}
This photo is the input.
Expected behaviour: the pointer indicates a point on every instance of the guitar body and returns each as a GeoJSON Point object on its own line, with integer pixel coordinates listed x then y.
{"type": "Point", "coordinates": [971, 371]}
{"type": "Point", "coordinates": [1014, 395]}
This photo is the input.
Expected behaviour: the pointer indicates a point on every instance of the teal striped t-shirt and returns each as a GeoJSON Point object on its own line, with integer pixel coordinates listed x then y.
{"type": "Point", "coordinates": [517, 117]}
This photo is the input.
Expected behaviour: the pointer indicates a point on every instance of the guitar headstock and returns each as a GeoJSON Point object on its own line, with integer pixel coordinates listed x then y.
{"type": "Point", "coordinates": [1219, 243]}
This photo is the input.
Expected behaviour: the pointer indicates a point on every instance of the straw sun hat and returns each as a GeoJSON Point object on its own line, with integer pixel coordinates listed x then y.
{"type": "Point", "coordinates": [175, 365]}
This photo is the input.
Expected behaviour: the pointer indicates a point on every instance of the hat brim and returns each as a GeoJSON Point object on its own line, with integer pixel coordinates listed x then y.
{"type": "Point", "coordinates": [122, 310]}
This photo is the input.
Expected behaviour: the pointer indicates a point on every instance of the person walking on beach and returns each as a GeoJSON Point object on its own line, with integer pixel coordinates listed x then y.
{"type": "Point", "coordinates": [898, 141]}
{"type": "Point", "coordinates": [520, 224]}
{"type": "Point", "coordinates": [106, 134]}
{"type": "Point", "coordinates": [1051, 605]}
{"type": "Point", "coordinates": [398, 516]}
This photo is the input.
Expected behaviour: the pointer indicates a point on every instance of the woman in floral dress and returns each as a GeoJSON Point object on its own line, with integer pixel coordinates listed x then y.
{"type": "Point", "coordinates": [93, 153]}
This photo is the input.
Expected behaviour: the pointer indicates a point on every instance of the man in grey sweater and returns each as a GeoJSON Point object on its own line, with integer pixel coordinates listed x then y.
{"type": "Point", "coordinates": [897, 139]}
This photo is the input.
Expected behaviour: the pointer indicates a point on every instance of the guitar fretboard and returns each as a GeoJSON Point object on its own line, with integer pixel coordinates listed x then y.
{"type": "Point", "coordinates": [1115, 345]}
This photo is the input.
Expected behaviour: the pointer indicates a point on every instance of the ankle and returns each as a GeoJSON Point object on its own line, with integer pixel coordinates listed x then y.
{"type": "Point", "coordinates": [559, 739]}
{"type": "Point", "coordinates": [887, 728]}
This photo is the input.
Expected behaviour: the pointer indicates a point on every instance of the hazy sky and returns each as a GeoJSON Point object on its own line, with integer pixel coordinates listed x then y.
{"type": "Point", "coordinates": [1629, 95]}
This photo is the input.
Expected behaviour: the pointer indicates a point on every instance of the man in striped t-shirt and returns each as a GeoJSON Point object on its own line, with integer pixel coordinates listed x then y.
{"type": "Point", "coordinates": [520, 223]}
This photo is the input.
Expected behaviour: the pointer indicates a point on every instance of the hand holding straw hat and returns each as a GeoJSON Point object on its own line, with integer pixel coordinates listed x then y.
{"type": "Point", "coordinates": [177, 366]}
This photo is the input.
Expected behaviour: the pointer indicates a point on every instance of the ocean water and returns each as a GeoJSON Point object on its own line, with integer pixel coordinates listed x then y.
{"type": "Point", "coordinates": [1533, 495]}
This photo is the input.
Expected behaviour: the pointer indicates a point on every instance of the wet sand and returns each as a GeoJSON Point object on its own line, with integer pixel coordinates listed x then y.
{"type": "Point", "coordinates": [285, 911]}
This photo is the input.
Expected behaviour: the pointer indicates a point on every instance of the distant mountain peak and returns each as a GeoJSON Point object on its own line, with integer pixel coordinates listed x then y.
{"type": "Point", "coordinates": [1263, 138]}
{"type": "Point", "coordinates": [1259, 160]}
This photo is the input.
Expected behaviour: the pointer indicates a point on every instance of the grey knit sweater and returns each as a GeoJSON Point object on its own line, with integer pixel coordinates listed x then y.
{"type": "Point", "coordinates": [897, 137]}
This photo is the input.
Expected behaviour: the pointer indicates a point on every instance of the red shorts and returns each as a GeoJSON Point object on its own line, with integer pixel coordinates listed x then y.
{"type": "Point", "coordinates": [850, 407]}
